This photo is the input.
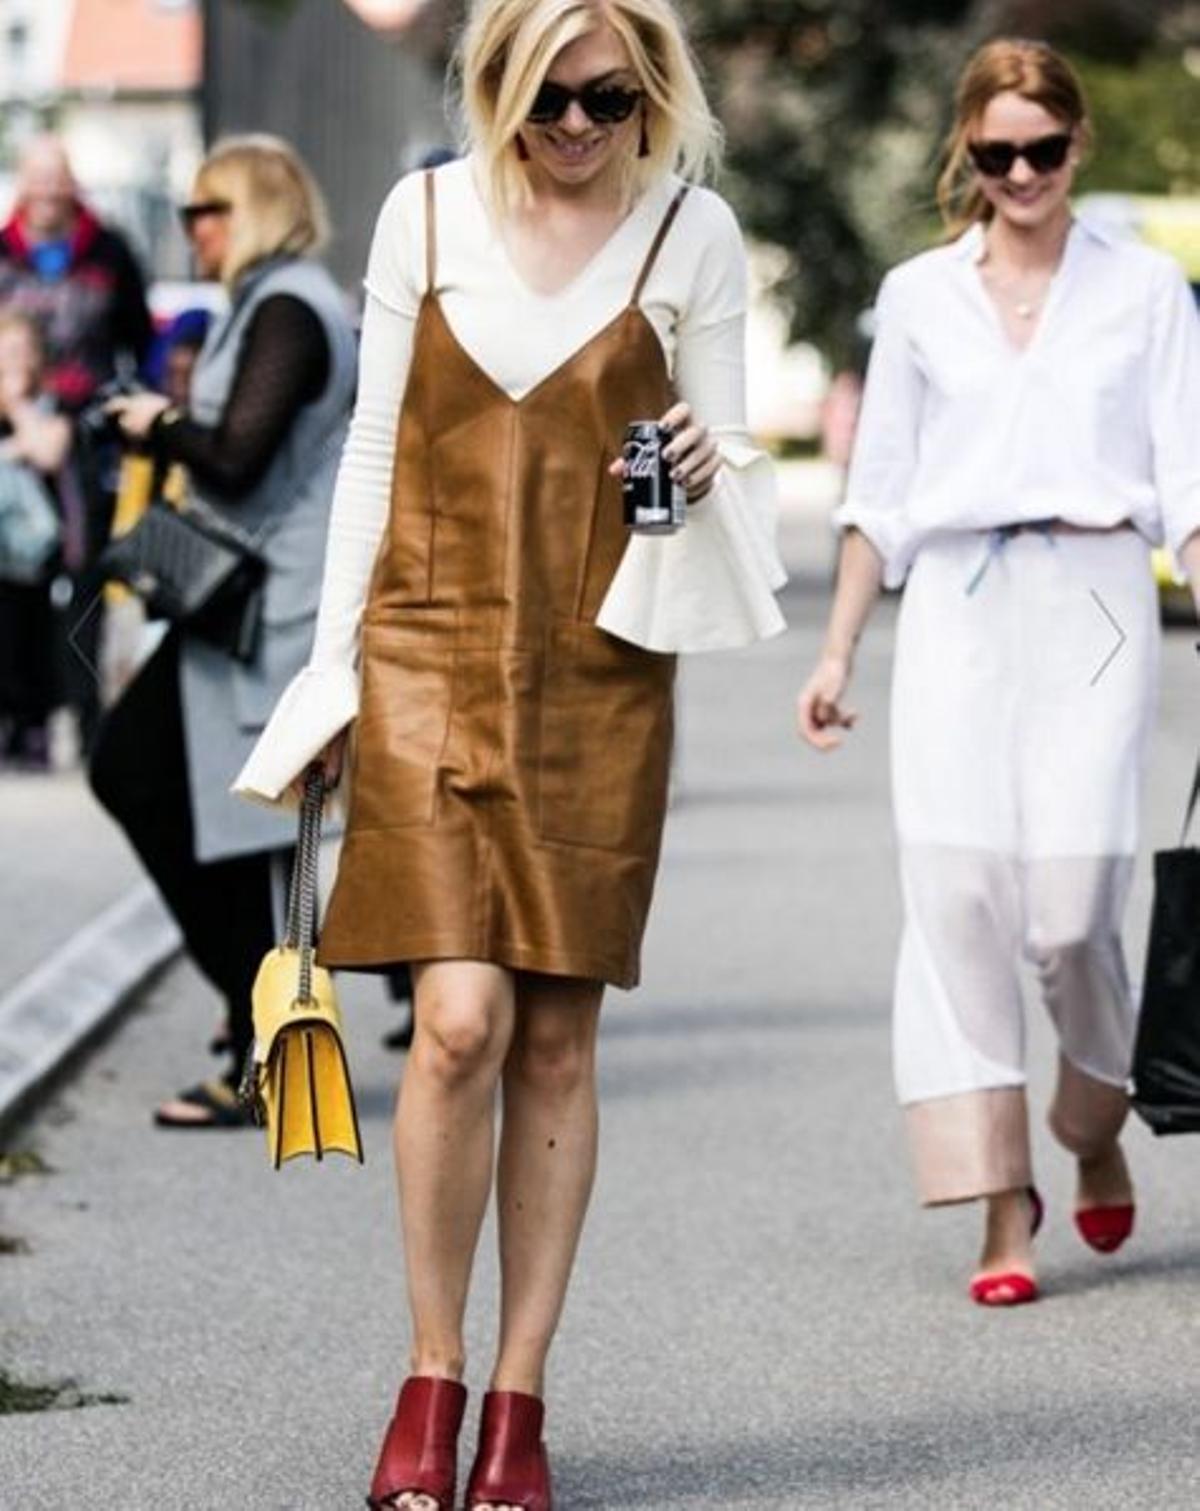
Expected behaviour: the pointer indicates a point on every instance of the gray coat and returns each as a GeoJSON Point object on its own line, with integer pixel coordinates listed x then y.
{"type": "Point", "coordinates": [226, 704]}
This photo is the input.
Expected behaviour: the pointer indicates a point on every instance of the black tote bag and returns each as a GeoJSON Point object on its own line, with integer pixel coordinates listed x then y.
{"type": "Point", "coordinates": [1166, 1059]}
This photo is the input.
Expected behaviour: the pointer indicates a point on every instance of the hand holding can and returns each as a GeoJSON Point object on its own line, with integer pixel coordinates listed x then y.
{"type": "Point", "coordinates": [688, 451]}
{"type": "Point", "coordinates": [655, 503]}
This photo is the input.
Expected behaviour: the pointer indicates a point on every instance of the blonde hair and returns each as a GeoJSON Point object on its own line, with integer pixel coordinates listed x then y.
{"type": "Point", "coordinates": [508, 48]}
{"type": "Point", "coordinates": [276, 206]}
{"type": "Point", "coordinates": [1008, 65]}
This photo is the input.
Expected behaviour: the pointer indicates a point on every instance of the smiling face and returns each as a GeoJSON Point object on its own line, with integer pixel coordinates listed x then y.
{"type": "Point", "coordinates": [1024, 198]}
{"type": "Point", "coordinates": [574, 150]}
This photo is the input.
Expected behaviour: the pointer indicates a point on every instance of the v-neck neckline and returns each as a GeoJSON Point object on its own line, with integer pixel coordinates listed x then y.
{"type": "Point", "coordinates": [631, 217]}
{"type": "Point", "coordinates": [1053, 295]}
{"type": "Point", "coordinates": [517, 401]}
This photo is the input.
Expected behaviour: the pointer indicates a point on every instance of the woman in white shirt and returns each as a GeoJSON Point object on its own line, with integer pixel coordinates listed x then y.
{"type": "Point", "coordinates": [515, 651]}
{"type": "Point", "coordinates": [1029, 424]}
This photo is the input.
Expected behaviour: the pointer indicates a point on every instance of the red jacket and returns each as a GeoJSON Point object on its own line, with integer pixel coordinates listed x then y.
{"type": "Point", "coordinates": [96, 310]}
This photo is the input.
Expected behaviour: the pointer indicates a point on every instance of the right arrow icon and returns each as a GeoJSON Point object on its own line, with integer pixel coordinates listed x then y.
{"type": "Point", "coordinates": [1108, 660]}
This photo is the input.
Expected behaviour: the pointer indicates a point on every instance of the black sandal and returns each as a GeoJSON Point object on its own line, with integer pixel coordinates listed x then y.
{"type": "Point", "coordinates": [216, 1099]}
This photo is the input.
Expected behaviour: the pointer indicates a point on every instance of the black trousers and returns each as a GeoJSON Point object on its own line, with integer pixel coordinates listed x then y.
{"type": "Point", "coordinates": [138, 771]}
{"type": "Point", "coordinates": [28, 684]}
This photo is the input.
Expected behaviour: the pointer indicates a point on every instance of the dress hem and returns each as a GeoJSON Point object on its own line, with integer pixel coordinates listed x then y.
{"type": "Point", "coordinates": [495, 952]}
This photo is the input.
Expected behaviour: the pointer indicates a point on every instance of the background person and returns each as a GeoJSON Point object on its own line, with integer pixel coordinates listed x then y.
{"type": "Point", "coordinates": [523, 306]}
{"type": "Point", "coordinates": [33, 436]}
{"type": "Point", "coordinates": [77, 277]}
{"type": "Point", "coordinates": [1029, 424]}
{"type": "Point", "coordinates": [260, 439]}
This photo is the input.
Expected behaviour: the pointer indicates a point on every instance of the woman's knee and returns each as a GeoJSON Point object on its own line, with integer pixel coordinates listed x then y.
{"type": "Point", "coordinates": [463, 1029]}
{"type": "Point", "coordinates": [1068, 942]}
{"type": "Point", "coordinates": [554, 1052]}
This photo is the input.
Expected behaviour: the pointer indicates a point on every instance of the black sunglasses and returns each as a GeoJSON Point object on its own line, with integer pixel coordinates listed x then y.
{"type": "Point", "coordinates": [604, 103]}
{"type": "Point", "coordinates": [996, 159]}
{"type": "Point", "coordinates": [198, 209]}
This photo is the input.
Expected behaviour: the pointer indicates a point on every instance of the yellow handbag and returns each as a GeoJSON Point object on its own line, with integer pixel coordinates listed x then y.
{"type": "Point", "coordinates": [297, 1079]}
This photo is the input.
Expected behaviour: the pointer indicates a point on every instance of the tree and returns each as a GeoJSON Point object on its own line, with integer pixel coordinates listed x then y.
{"type": "Point", "coordinates": [835, 112]}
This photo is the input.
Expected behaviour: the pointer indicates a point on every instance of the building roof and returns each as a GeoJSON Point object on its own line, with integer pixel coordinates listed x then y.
{"type": "Point", "coordinates": [134, 45]}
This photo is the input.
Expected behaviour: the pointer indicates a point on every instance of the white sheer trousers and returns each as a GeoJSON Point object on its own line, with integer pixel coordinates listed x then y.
{"type": "Point", "coordinates": [1020, 720]}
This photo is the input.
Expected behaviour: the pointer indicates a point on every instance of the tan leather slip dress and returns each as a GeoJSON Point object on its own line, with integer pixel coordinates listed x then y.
{"type": "Point", "coordinates": [509, 767]}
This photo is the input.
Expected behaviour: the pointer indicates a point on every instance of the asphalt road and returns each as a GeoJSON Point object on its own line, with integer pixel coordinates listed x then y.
{"type": "Point", "coordinates": [761, 1317]}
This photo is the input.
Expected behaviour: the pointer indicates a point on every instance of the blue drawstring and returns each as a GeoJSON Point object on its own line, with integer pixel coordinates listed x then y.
{"type": "Point", "coordinates": [999, 538]}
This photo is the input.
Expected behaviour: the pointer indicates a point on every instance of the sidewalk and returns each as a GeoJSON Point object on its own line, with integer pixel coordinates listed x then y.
{"type": "Point", "coordinates": [79, 927]}
{"type": "Point", "coordinates": [762, 1320]}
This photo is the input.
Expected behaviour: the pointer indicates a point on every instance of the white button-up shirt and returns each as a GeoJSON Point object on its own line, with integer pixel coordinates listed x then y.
{"type": "Point", "coordinates": [1096, 421]}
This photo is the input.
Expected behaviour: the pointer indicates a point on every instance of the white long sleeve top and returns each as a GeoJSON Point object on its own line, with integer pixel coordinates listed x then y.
{"type": "Point", "coordinates": [710, 586]}
{"type": "Point", "coordinates": [1096, 421]}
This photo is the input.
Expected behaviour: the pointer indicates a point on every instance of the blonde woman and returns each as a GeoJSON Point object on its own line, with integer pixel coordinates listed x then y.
{"type": "Point", "coordinates": [1029, 425]}
{"type": "Point", "coordinates": [509, 769]}
{"type": "Point", "coordinates": [260, 438]}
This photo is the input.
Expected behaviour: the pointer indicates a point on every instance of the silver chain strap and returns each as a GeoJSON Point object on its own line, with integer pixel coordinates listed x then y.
{"type": "Point", "coordinates": [301, 915]}
{"type": "Point", "coordinates": [302, 898]}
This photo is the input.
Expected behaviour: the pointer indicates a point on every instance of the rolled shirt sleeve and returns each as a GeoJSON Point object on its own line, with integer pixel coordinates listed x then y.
{"type": "Point", "coordinates": [1175, 406]}
{"type": "Point", "coordinates": [711, 585]}
{"type": "Point", "coordinates": [884, 457]}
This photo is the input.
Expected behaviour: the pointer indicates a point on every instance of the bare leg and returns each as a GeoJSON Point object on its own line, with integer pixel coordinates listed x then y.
{"type": "Point", "coordinates": [1008, 1235]}
{"type": "Point", "coordinates": [547, 1166]}
{"type": "Point", "coordinates": [444, 1145]}
{"type": "Point", "coordinates": [1087, 1117]}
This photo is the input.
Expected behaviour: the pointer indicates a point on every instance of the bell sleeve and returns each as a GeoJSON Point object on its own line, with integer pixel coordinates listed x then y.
{"type": "Point", "coordinates": [712, 585]}
{"type": "Point", "coordinates": [885, 447]}
{"type": "Point", "coordinates": [323, 698]}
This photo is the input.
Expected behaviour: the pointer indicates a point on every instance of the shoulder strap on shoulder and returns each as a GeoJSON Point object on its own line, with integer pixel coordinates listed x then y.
{"type": "Point", "coordinates": [657, 243]}
{"type": "Point", "coordinates": [430, 233]}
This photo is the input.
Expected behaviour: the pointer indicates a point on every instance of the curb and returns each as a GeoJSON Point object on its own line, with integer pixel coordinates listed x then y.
{"type": "Point", "coordinates": [66, 1001]}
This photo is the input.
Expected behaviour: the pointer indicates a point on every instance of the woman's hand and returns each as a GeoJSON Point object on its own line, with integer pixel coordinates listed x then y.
{"type": "Point", "coordinates": [692, 452]}
{"type": "Point", "coordinates": [136, 413]}
{"type": "Point", "coordinates": [818, 710]}
{"type": "Point", "coordinates": [332, 759]}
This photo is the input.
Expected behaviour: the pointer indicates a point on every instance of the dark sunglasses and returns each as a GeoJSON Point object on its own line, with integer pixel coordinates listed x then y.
{"type": "Point", "coordinates": [604, 104]}
{"type": "Point", "coordinates": [198, 209]}
{"type": "Point", "coordinates": [996, 159]}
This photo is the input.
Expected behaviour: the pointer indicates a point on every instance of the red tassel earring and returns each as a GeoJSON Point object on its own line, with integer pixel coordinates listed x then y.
{"type": "Point", "coordinates": [644, 141]}
{"type": "Point", "coordinates": [522, 149]}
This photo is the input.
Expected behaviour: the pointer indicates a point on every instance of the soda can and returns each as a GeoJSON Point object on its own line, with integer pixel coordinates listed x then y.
{"type": "Point", "coordinates": [655, 504]}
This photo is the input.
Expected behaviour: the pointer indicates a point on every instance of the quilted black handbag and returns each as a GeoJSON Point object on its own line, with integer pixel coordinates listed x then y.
{"type": "Point", "coordinates": [1166, 1060]}
{"type": "Point", "coordinates": [197, 570]}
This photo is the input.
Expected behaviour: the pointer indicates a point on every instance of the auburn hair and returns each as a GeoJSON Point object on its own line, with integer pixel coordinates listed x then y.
{"type": "Point", "coordinates": [1008, 65]}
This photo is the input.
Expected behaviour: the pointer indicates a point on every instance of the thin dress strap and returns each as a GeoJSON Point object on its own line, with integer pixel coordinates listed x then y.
{"type": "Point", "coordinates": [430, 233]}
{"type": "Point", "coordinates": [656, 245]}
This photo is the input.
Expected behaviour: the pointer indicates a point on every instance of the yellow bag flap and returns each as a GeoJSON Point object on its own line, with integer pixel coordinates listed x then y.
{"type": "Point", "coordinates": [274, 999]}
{"type": "Point", "coordinates": [309, 1100]}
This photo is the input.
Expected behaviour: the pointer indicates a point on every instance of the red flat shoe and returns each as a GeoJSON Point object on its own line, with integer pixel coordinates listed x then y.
{"type": "Point", "coordinates": [1105, 1229]}
{"type": "Point", "coordinates": [1009, 1289]}
{"type": "Point", "coordinates": [420, 1448]}
{"type": "Point", "coordinates": [511, 1468]}
{"type": "Point", "coordinates": [1012, 1288]}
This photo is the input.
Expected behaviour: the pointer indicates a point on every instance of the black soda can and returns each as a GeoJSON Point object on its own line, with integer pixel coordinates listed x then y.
{"type": "Point", "coordinates": [655, 504]}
